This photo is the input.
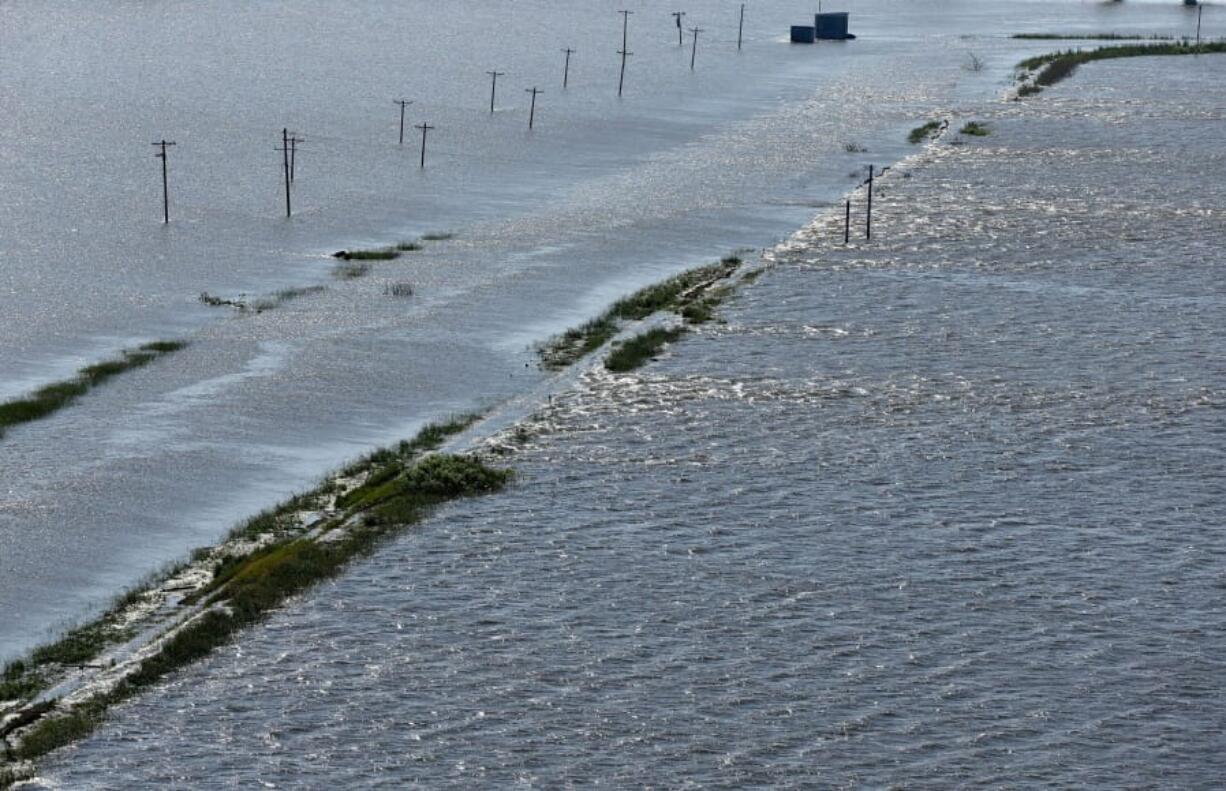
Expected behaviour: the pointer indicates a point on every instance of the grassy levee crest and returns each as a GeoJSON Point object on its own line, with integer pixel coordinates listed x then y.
{"type": "Point", "coordinates": [1053, 67]}
{"type": "Point", "coordinates": [399, 486]}
{"type": "Point", "coordinates": [693, 295]}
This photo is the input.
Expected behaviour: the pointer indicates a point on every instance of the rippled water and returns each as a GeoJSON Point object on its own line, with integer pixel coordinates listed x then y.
{"type": "Point", "coordinates": [943, 510]}
{"type": "Point", "coordinates": [603, 196]}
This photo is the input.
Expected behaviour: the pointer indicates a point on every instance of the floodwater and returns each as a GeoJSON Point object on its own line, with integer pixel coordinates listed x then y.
{"type": "Point", "coordinates": [602, 196]}
{"type": "Point", "coordinates": [943, 510]}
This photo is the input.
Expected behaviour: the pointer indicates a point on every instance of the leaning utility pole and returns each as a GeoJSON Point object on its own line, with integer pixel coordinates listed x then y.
{"type": "Point", "coordinates": [532, 113]}
{"type": "Point", "coordinates": [403, 104]}
{"type": "Point", "coordinates": [677, 16]}
{"type": "Point", "coordinates": [624, 51]}
{"type": "Point", "coordinates": [740, 29]}
{"type": "Point", "coordinates": [494, 86]}
{"type": "Point", "coordinates": [694, 51]}
{"type": "Point", "coordinates": [424, 127]}
{"type": "Point", "coordinates": [566, 68]}
{"type": "Point", "coordinates": [165, 182]}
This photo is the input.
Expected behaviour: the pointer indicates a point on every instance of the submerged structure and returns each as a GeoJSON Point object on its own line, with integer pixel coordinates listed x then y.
{"type": "Point", "coordinates": [832, 26]}
{"type": "Point", "coordinates": [827, 26]}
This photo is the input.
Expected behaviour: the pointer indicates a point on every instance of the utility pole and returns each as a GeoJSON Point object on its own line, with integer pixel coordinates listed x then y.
{"type": "Point", "coordinates": [494, 86]}
{"type": "Point", "coordinates": [566, 68]}
{"type": "Point", "coordinates": [694, 51]}
{"type": "Point", "coordinates": [1200, 9]}
{"type": "Point", "coordinates": [424, 127]}
{"type": "Point", "coordinates": [624, 51]}
{"type": "Point", "coordinates": [868, 218]}
{"type": "Point", "coordinates": [165, 182]}
{"type": "Point", "coordinates": [403, 104]}
{"type": "Point", "coordinates": [677, 15]}
{"type": "Point", "coordinates": [847, 222]}
{"type": "Point", "coordinates": [285, 154]}
{"type": "Point", "coordinates": [740, 29]}
{"type": "Point", "coordinates": [532, 113]}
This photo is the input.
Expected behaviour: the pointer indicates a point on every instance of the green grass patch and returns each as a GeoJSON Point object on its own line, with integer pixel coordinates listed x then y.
{"type": "Point", "coordinates": [1092, 37]}
{"type": "Point", "coordinates": [975, 129]}
{"type": "Point", "coordinates": [1056, 66]}
{"type": "Point", "coordinates": [687, 294]}
{"type": "Point", "coordinates": [54, 397]}
{"type": "Point", "coordinates": [20, 681]}
{"type": "Point", "coordinates": [641, 348]}
{"type": "Point", "coordinates": [406, 247]}
{"type": "Point", "coordinates": [921, 133]}
{"type": "Point", "coordinates": [1028, 89]}
{"type": "Point", "coordinates": [437, 236]}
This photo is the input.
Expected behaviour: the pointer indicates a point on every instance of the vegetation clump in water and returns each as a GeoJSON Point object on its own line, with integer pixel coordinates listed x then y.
{"type": "Point", "coordinates": [691, 294]}
{"type": "Point", "coordinates": [641, 348]}
{"type": "Point", "coordinates": [54, 397]}
{"type": "Point", "coordinates": [921, 133]}
{"type": "Point", "coordinates": [975, 129]}
{"type": "Point", "coordinates": [275, 300]}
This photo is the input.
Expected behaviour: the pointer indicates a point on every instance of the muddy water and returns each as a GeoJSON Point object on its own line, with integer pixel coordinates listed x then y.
{"type": "Point", "coordinates": [940, 510]}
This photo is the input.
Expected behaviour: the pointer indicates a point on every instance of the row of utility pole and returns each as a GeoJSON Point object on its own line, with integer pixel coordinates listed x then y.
{"type": "Point", "coordinates": [290, 140]}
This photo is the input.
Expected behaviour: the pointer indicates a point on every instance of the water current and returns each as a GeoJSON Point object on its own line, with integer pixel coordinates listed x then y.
{"type": "Point", "coordinates": [939, 510]}
{"type": "Point", "coordinates": [604, 195]}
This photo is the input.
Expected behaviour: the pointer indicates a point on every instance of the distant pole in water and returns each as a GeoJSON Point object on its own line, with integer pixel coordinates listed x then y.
{"type": "Point", "coordinates": [566, 68]}
{"type": "Point", "coordinates": [494, 86]}
{"type": "Point", "coordinates": [165, 180]}
{"type": "Point", "coordinates": [740, 28]}
{"type": "Point", "coordinates": [532, 112]}
{"type": "Point", "coordinates": [403, 104]}
{"type": "Point", "coordinates": [624, 51]}
{"type": "Point", "coordinates": [424, 127]}
{"type": "Point", "coordinates": [285, 152]}
{"type": "Point", "coordinates": [694, 51]}
{"type": "Point", "coordinates": [847, 222]}
{"type": "Point", "coordinates": [1200, 8]}
{"type": "Point", "coordinates": [677, 15]}
{"type": "Point", "coordinates": [868, 218]}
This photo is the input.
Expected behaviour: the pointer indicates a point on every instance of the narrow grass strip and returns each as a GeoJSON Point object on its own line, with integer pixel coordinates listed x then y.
{"type": "Point", "coordinates": [641, 348]}
{"type": "Point", "coordinates": [688, 294]}
{"type": "Point", "coordinates": [54, 397]}
{"type": "Point", "coordinates": [1057, 66]}
{"type": "Point", "coordinates": [1092, 37]}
